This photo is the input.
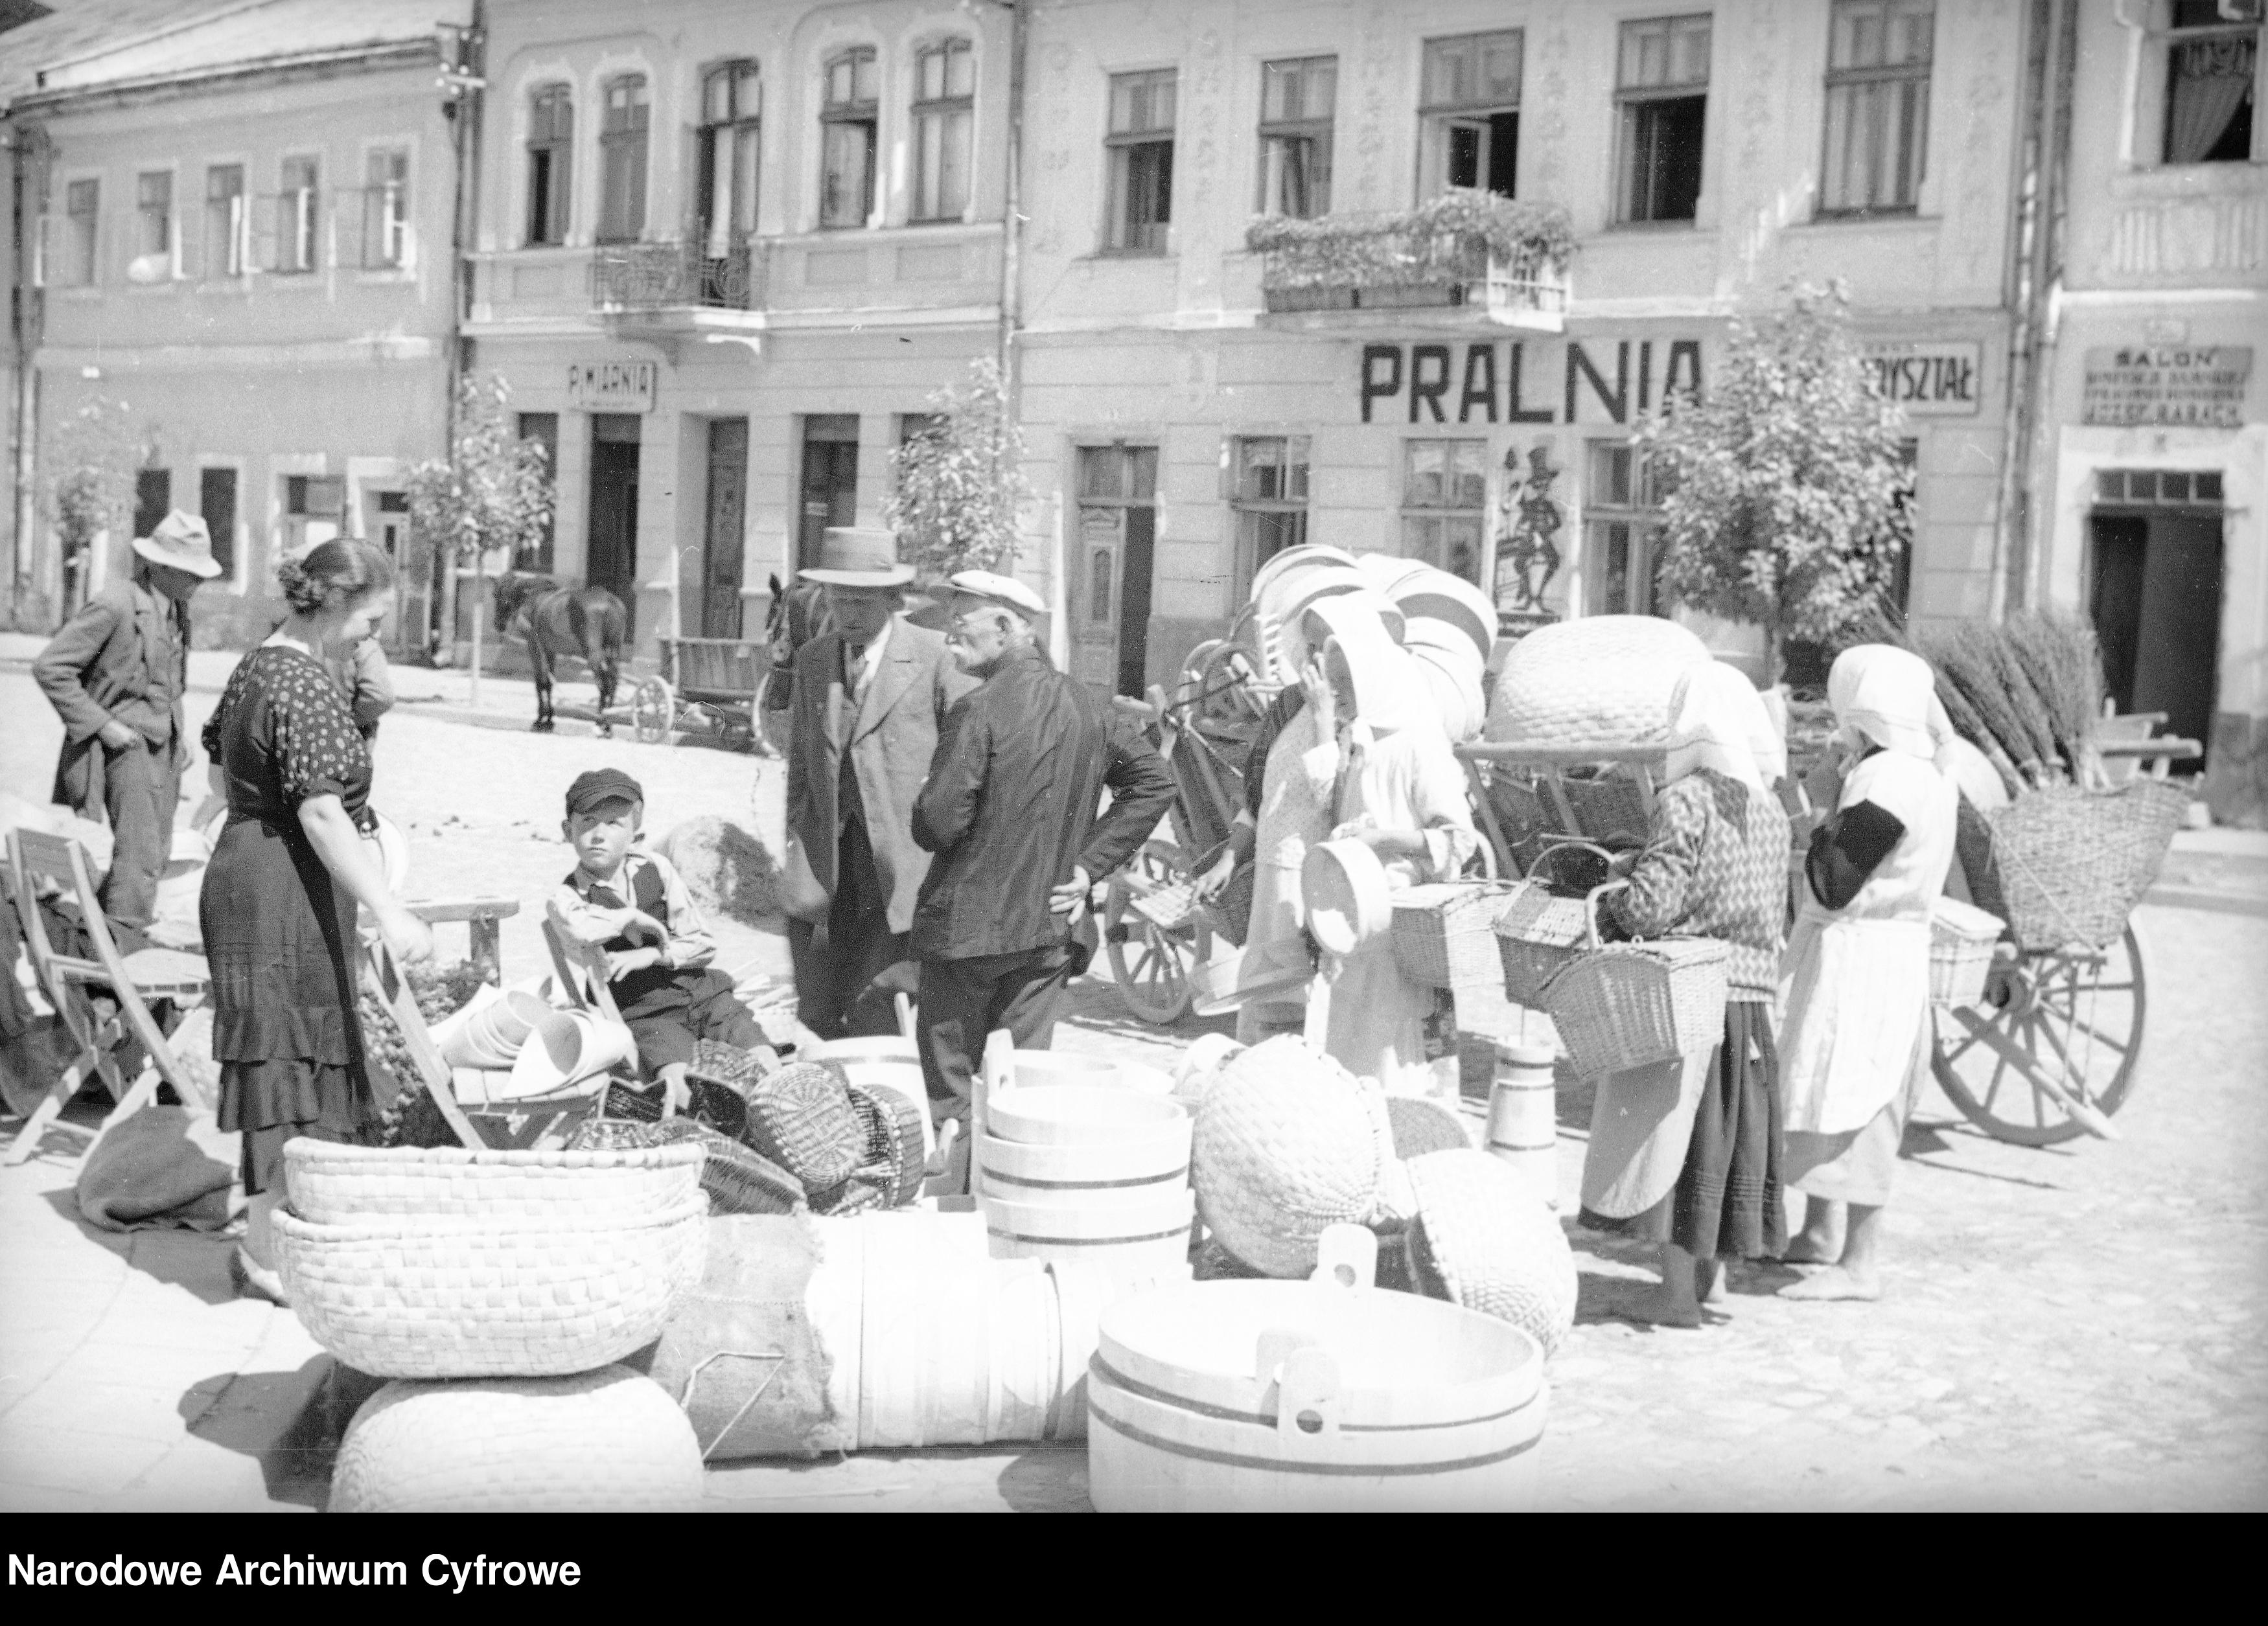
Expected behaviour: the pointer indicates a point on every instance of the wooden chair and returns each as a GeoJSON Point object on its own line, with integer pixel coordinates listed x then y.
{"type": "Point", "coordinates": [38, 863]}
{"type": "Point", "coordinates": [581, 967]}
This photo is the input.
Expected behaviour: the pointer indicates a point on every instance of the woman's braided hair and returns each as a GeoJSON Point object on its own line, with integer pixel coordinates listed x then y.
{"type": "Point", "coordinates": [333, 573]}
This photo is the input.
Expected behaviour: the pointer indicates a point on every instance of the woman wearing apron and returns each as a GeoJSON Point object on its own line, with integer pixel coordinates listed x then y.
{"type": "Point", "coordinates": [1855, 1037]}
{"type": "Point", "coordinates": [1714, 866]}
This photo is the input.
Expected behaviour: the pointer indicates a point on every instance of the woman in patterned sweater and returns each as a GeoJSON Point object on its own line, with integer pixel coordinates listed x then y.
{"type": "Point", "coordinates": [1698, 1171]}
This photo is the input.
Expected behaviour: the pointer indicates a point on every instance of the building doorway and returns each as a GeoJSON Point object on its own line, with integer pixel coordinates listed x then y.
{"type": "Point", "coordinates": [1117, 536]}
{"type": "Point", "coordinates": [2154, 590]}
{"type": "Point", "coordinates": [830, 479]}
{"type": "Point", "coordinates": [610, 552]}
{"type": "Point", "coordinates": [725, 531]}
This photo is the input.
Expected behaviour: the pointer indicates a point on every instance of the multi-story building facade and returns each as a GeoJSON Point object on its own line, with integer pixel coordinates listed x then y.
{"type": "Point", "coordinates": [2148, 477]}
{"type": "Point", "coordinates": [242, 249]}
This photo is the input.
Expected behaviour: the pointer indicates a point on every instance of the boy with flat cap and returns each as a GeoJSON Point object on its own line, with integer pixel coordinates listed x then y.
{"type": "Point", "coordinates": [634, 905]}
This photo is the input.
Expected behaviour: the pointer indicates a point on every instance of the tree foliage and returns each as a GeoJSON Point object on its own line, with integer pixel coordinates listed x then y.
{"type": "Point", "coordinates": [1786, 483]}
{"type": "Point", "coordinates": [95, 456]}
{"type": "Point", "coordinates": [959, 481]}
{"type": "Point", "coordinates": [493, 491]}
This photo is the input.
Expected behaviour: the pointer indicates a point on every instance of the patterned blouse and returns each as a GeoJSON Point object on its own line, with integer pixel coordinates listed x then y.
{"type": "Point", "coordinates": [283, 733]}
{"type": "Point", "coordinates": [1715, 865]}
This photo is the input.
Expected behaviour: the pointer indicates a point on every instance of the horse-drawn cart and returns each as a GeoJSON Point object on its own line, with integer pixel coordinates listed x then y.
{"type": "Point", "coordinates": [718, 683]}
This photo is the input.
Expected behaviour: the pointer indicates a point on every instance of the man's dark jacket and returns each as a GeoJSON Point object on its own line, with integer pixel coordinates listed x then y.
{"type": "Point", "coordinates": [1009, 808]}
{"type": "Point", "coordinates": [110, 656]}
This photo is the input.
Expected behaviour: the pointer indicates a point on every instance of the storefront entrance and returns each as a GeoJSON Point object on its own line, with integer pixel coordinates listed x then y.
{"type": "Point", "coordinates": [724, 532]}
{"type": "Point", "coordinates": [2154, 590]}
{"type": "Point", "coordinates": [1111, 572]}
{"type": "Point", "coordinates": [610, 557]}
{"type": "Point", "coordinates": [830, 479]}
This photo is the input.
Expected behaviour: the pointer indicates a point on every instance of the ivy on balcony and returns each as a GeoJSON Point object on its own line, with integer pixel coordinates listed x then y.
{"type": "Point", "coordinates": [1460, 248]}
{"type": "Point", "coordinates": [650, 276]}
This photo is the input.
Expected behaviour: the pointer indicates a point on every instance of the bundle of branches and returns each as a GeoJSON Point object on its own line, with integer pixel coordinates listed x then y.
{"type": "Point", "coordinates": [411, 1119]}
{"type": "Point", "coordinates": [2025, 692]}
{"type": "Point", "coordinates": [2059, 653]}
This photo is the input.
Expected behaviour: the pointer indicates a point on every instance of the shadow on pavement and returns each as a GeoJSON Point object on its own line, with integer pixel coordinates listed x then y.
{"type": "Point", "coordinates": [1050, 1479]}
{"type": "Point", "coordinates": [290, 1422]}
{"type": "Point", "coordinates": [195, 1261]}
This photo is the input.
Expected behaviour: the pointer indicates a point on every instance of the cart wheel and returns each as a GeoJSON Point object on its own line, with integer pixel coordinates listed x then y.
{"type": "Point", "coordinates": [653, 710]}
{"type": "Point", "coordinates": [1224, 672]}
{"type": "Point", "coordinates": [769, 723]}
{"type": "Point", "coordinates": [1151, 963]}
{"type": "Point", "coordinates": [2074, 1019]}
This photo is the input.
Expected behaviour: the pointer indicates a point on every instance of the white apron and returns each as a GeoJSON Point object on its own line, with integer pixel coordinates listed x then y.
{"type": "Point", "coordinates": [1641, 1127]}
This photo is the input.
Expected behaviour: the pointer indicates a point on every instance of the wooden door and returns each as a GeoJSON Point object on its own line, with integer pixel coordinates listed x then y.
{"type": "Point", "coordinates": [831, 481]}
{"type": "Point", "coordinates": [1095, 604]}
{"type": "Point", "coordinates": [611, 550]}
{"type": "Point", "coordinates": [1110, 596]}
{"type": "Point", "coordinates": [2156, 592]}
{"type": "Point", "coordinates": [726, 531]}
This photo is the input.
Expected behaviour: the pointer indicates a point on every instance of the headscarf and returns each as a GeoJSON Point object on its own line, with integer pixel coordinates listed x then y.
{"type": "Point", "coordinates": [1888, 696]}
{"type": "Point", "coordinates": [1717, 720]}
{"type": "Point", "coordinates": [1389, 692]}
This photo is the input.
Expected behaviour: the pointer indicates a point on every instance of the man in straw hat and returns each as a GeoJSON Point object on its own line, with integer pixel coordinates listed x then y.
{"type": "Point", "coordinates": [1009, 812]}
{"type": "Point", "coordinates": [114, 673]}
{"type": "Point", "coordinates": [870, 695]}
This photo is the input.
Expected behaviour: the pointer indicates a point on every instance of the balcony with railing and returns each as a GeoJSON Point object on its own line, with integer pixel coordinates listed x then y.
{"type": "Point", "coordinates": [1501, 262]}
{"type": "Point", "coordinates": [667, 292]}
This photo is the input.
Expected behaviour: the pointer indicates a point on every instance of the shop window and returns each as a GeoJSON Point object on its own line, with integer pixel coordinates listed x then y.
{"type": "Point", "coordinates": [153, 228]}
{"type": "Point", "coordinates": [2159, 487]}
{"type": "Point", "coordinates": [386, 209]}
{"type": "Point", "coordinates": [550, 147]}
{"type": "Point", "coordinates": [625, 119]}
{"type": "Point", "coordinates": [1470, 116]}
{"type": "Point", "coordinates": [846, 122]}
{"type": "Point", "coordinates": [228, 222]}
{"type": "Point", "coordinates": [1140, 145]}
{"type": "Point", "coordinates": [1296, 100]}
{"type": "Point", "coordinates": [313, 506]}
{"type": "Point", "coordinates": [945, 91]}
{"type": "Point", "coordinates": [731, 106]}
{"type": "Point", "coordinates": [1622, 529]}
{"type": "Point", "coordinates": [913, 423]}
{"type": "Point", "coordinates": [1445, 503]}
{"type": "Point", "coordinates": [217, 502]}
{"type": "Point", "coordinates": [70, 259]}
{"type": "Point", "coordinates": [2212, 80]}
{"type": "Point", "coordinates": [1268, 491]}
{"type": "Point", "coordinates": [543, 429]}
{"type": "Point", "coordinates": [1661, 89]}
{"type": "Point", "coordinates": [292, 239]}
{"type": "Point", "coordinates": [1877, 130]}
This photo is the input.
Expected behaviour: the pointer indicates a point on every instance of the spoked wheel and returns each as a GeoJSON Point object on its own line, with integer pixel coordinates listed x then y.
{"type": "Point", "coordinates": [2068, 1022]}
{"type": "Point", "coordinates": [1221, 679]}
{"type": "Point", "coordinates": [1152, 962]}
{"type": "Point", "coordinates": [653, 710]}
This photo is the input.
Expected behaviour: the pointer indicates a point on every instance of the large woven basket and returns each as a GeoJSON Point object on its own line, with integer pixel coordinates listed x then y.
{"type": "Point", "coordinates": [1961, 938]}
{"type": "Point", "coordinates": [801, 1118]}
{"type": "Point", "coordinates": [1596, 680]}
{"type": "Point", "coordinates": [1483, 1239]}
{"type": "Point", "coordinates": [2070, 864]}
{"type": "Point", "coordinates": [398, 1298]}
{"type": "Point", "coordinates": [331, 1184]}
{"type": "Point", "coordinates": [1445, 936]}
{"type": "Point", "coordinates": [603, 1442]}
{"type": "Point", "coordinates": [1622, 1005]}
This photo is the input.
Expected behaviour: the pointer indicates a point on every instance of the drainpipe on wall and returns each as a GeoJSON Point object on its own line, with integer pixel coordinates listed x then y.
{"type": "Point", "coordinates": [27, 151]}
{"type": "Point", "coordinates": [1012, 280]}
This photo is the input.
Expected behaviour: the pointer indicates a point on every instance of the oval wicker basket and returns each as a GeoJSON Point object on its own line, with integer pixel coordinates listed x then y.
{"type": "Point", "coordinates": [1596, 680]}
{"type": "Point", "coordinates": [336, 1185]}
{"type": "Point", "coordinates": [1620, 1006]}
{"type": "Point", "coordinates": [472, 1299]}
{"type": "Point", "coordinates": [1484, 1239]}
{"type": "Point", "coordinates": [1444, 934]}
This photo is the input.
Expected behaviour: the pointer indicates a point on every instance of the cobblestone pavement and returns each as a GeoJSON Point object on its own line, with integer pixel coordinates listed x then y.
{"type": "Point", "coordinates": [2079, 1326]}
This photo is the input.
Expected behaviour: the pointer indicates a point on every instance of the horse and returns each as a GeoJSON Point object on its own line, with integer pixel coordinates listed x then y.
{"type": "Point", "coordinates": [588, 623]}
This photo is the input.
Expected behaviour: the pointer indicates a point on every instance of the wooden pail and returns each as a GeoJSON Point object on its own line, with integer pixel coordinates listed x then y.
{"type": "Point", "coordinates": [1523, 1120]}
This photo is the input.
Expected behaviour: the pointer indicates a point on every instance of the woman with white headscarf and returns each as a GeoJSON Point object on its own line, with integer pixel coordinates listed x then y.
{"type": "Point", "coordinates": [1687, 1155]}
{"type": "Point", "coordinates": [1386, 771]}
{"type": "Point", "coordinates": [1855, 1039]}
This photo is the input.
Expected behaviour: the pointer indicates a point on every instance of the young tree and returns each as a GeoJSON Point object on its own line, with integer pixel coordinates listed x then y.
{"type": "Point", "coordinates": [93, 488]}
{"type": "Point", "coordinates": [493, 492]}
{"type": "Point", "coordinates": [1786, 483]}
{"type": "Point", "coordinates": [959, 481]}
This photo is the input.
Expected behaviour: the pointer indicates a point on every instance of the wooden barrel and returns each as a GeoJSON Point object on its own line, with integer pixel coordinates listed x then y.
{"type": "Point", "coordinates": [1078, 1115]}
{"type": "Point", "coordinates": [1147, 1238]}
{"type": "Point", "coordinates": [1308, 1396]}
{"type": "Point", "coordinates": [1044, 1067]}
{"type": "Point", "coordinates": [1523, 1120]}
{"type": "Point", "coordinates": [1127, 1168]}
{"type": "Point", "coordinates": [1082, 1294]}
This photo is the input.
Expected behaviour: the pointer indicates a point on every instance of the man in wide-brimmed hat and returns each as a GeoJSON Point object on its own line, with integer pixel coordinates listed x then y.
{"type": "Point", "coordinates": [1010, 811]}
{"type": "Point", "coordinates": [114, 673]}
{"type": "Point", "coordinates": [869, 696]}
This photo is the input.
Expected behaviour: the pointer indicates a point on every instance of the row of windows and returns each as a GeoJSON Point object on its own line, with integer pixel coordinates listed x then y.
{"type": "Point", "coordinates": [236, 231]}
{"type": "Point", "coordinates": [303, 501]}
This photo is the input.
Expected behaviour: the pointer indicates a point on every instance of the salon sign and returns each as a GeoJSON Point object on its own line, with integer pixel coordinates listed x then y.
{"type": "Point", "coordinates": [611, 385]}
{"type": "Point", "coordinates": [2197, 385]}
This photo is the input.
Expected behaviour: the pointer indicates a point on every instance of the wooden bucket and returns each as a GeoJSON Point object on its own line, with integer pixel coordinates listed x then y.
{"type": "Point", "coordinates": [1309, 1396]}
{"type": "Point", "coordinates": [1148, 1237]}
{"type": "Point", "coordinates": [1523, 1120]}
{"type": "Point", "coordinates": [1047, 1067]}
{"type": "Point", "coordinates": [1130, 1168]}
{"type": "Point", "coordinates": [1082, 1294]}
{"type": "Point", "coordinates": [1078, 1115]}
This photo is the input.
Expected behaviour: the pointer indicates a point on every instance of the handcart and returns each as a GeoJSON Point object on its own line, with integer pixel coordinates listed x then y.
{"type": "Point", "coordinates": [717, 682]}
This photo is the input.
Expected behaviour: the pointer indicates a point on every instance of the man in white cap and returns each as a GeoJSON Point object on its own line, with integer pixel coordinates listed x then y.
{"type": "Point", "coordinates": [869, 695]}
{"type": "Point", "coordinates": [1009, 810]}
{"type": "Point", "coordinates": [114, 673]}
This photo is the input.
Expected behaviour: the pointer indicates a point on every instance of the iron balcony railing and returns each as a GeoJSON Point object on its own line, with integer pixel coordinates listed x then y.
{"type": "Point", "coordinates": [678, 276]}
{"type": "Point", "coordinates": [1400, 262]}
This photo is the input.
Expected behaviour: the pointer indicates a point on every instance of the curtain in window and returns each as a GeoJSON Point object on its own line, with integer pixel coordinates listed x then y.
{"type": "Point", "coordinates": [2210, 80]}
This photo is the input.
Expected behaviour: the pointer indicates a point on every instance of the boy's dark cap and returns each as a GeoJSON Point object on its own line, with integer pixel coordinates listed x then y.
{"type": "Point", "coordinates": [601, 784]}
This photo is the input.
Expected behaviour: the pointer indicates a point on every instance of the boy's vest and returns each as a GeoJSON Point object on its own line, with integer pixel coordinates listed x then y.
{"type": "Point", "coordinates": [655, 989]}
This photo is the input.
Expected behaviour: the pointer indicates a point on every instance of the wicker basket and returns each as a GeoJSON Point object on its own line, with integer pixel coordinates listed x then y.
{"type": "Point", "coordinates": [1611, 809]}
{"type": "Point", "coordinates": [737, 1180]}
{"type": "Point", "coordinates": [400, 1298]}
{"type": "Point", "coordinates": [333, 1185]}
{"type": "Point", "coordinates": [2070, 864]}
{"type": "Point", "coordinates": [1622, 1005]}
{"type": "Point", "coordinates": [1483, 1239]}
{"type": "Point", "coordinates": [604, 1441]}
{"type": "Point", "coordinates": [1444, 935]}
{"type": "Point", "coordinates": [894, 1148]}
{"type": "Point", "coordinates": [1961, 938]}
{"type": "Point", "coordinates": [801, 1118]}
{"type": "Point", "coordinates": [1594, 680]}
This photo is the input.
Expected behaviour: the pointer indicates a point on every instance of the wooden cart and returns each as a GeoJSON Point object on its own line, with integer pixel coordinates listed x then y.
{"type": "Point", "coordinates": [718, 683]}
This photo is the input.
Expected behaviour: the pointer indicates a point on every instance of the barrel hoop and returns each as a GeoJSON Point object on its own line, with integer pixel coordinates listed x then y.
{"type": "Point", "coordinates": [1103, 1372]}
{"type": "Point", "coordinates": [1278, 1465]}
{"type": "Point", "coordinates": [1522, 1145]}
{"type": "Point", "coordinates": [1084, 1185]}
{"type": "Point", "coordinates": [1087, 1241]}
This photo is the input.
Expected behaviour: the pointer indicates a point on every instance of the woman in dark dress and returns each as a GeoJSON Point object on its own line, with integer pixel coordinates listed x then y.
{"type": "Point", "coordinates": [279, 904]}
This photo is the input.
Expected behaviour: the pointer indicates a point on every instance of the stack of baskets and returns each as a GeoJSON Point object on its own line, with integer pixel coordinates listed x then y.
{"type": "Point", "coordinates": [1445, 935]}
{"type": "Point", "coordinates": [483, 1283]}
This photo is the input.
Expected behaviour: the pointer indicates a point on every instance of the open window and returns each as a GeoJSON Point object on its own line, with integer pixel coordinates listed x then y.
{"type": "Point", "coordinates": [848, 119]}
{"type": "Point", "coordinates": [732, 108]}
{"type": "Point", "coordinates": [386, 229]}
{"type": "Point", "coordinates": [1661, 91]}
{"type": "Point", "coordinates": [1296, 104]}
{"type": "Point", "coordinates": [228, 222]}
{"type": "Point", "coordinates": [2212, 81]}
{"type": "Point", "coordinates": [1140, 145]}
{"type": "Point", "coordinates": [550, 146]}
{"type": "Point", "coordinates": [1470, 115]}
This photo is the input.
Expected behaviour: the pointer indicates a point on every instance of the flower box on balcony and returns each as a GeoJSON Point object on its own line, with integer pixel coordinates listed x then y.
{"type": "Point", "coordinates": [1461, 249]}
{"type": "Point", "coordinates": [655, 276]}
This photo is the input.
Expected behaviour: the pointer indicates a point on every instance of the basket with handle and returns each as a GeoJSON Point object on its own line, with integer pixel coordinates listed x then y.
{"type": "Point", "coordinates": [1541, 930]}
{"type": "Point", "coordinates": [1445, 935]}
{"type": "Point", "coordinates": [1620, 1005]}
{"type": "Point", "coordinates": [1961, 940]}
{"type": "Point", "coordinates": [1612, 807]}
{"type": "Point", "coordinates": [2069, 864]}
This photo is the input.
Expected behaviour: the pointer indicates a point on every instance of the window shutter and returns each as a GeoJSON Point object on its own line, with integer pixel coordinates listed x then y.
{"type": "Point", "coordinates": [266, 212]}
